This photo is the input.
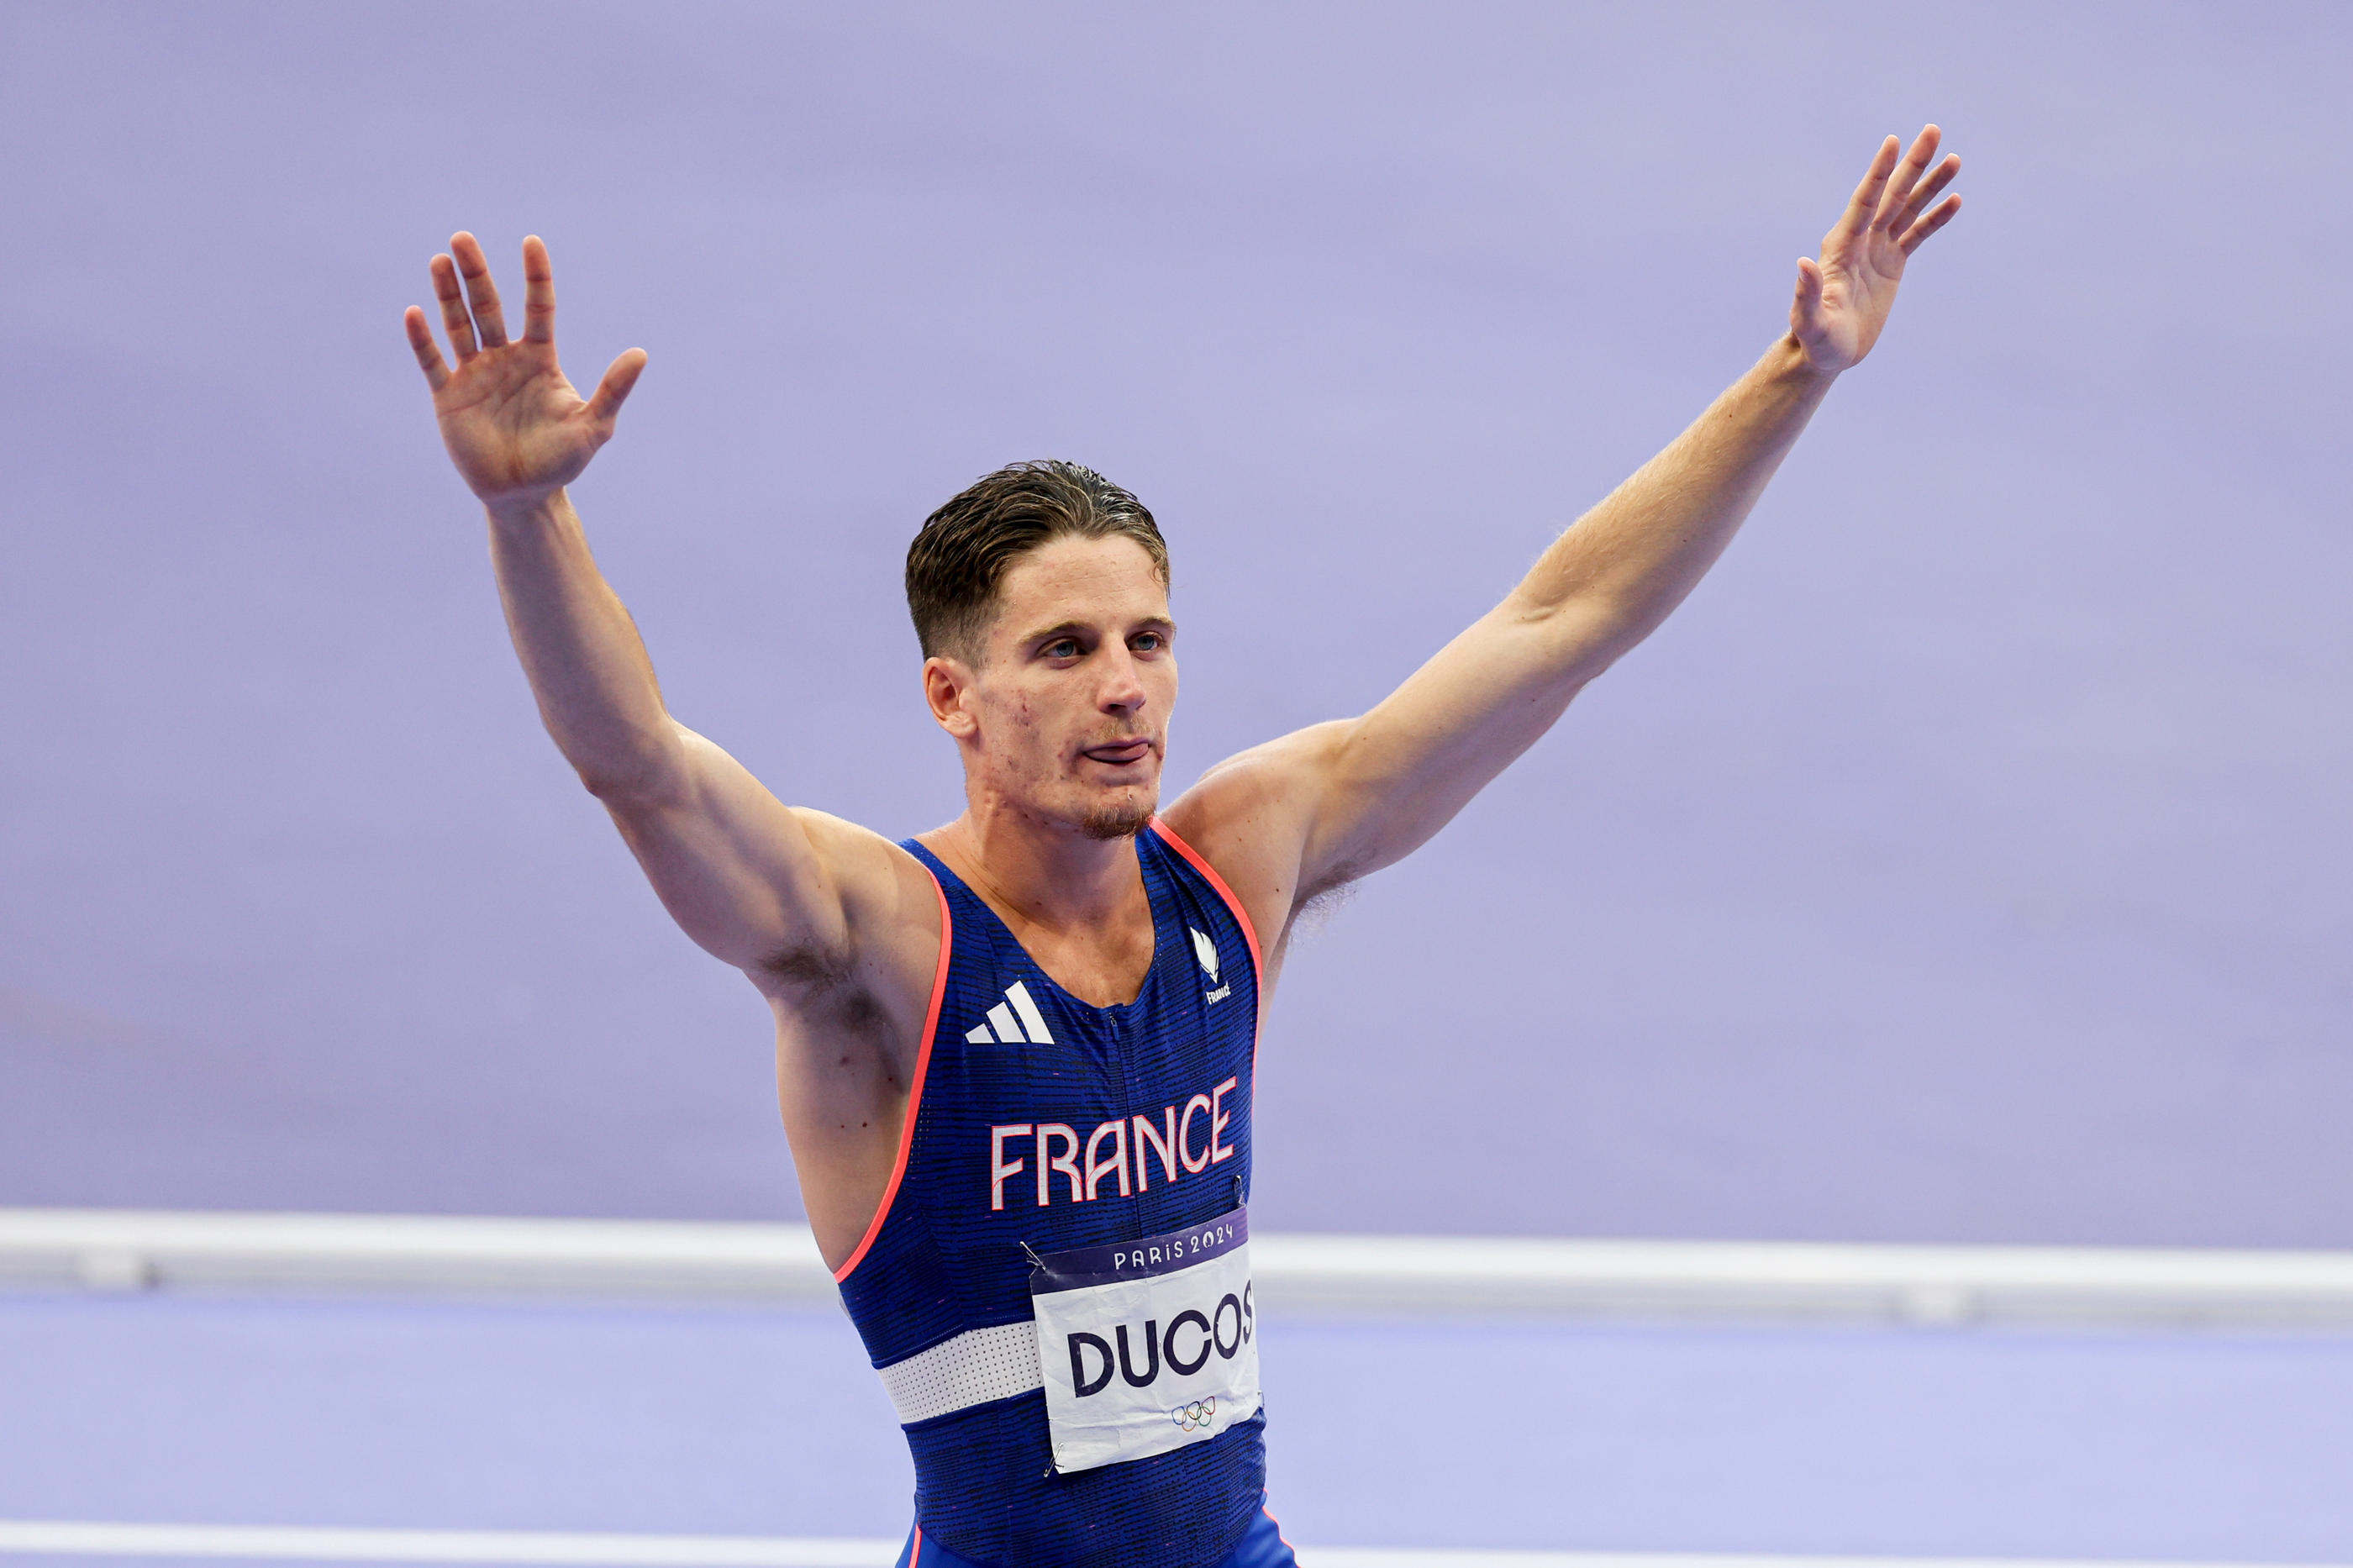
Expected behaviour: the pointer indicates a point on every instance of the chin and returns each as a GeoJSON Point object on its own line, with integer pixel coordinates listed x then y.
{"type": "Point", "coordinates": [1122, 818]}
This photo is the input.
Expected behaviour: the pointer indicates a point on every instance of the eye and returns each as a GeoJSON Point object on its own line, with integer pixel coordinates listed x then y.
{"type": "Point", "coordinates": [1062, 648]}
{"type": "Point", "coordinates": [1149, 641]}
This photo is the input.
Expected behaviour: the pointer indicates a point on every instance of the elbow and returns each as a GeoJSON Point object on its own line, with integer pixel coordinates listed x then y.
{"type": "Point", "coordinates": [1572, 629]}
{"type": "Point", "coordinates": [631, 794]}
{"type": "Point", "coordinates": [642, 778]}
{"type": "Point", "coordinates": [1576, 640]}
{"type": "Point", "coordinates": [614, 787]}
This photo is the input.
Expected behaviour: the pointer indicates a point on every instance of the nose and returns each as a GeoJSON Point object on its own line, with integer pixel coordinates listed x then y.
{"type": "Point", "coordinates": [1122, 691]}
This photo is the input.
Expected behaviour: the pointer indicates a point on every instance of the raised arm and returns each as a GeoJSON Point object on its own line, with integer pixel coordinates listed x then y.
{"type": "Point", "coordinates": [737, 868]}
{"type": "Point", "coordinates": [1315, 809]}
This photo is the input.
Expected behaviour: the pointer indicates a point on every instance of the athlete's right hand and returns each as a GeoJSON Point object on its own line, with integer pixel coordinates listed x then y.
{"type": "Point", "coordinates": [516, 428]}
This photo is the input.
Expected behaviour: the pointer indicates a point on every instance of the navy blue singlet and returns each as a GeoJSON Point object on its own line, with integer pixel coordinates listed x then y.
{"type": "Point", "coordinates": [1038, 1120]}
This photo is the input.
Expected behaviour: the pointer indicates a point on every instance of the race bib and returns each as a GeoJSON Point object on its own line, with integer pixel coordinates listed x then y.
{"type": "Point", "coordinates": [1148, 1346]}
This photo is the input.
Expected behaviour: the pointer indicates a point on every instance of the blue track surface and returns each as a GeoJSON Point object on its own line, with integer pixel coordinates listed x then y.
{"type": "Point", "coordinates": [1542, 1434]}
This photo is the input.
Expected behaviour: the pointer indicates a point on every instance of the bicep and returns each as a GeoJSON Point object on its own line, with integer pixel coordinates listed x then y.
{"type": "Point", "coordinates": [744, 874]}
{"type": "Point", "coordinates": [1322, 806]}
{"type": "Point", "coordinates": [1387, 782]}
{"type": "Point", "coordinates": [1250, 816]}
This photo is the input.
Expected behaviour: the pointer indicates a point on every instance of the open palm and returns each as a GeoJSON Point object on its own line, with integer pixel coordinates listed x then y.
{"type": "Point", "coordinates": [1843, 299]}
{"type": "Point", "coordinates": [515, 428]}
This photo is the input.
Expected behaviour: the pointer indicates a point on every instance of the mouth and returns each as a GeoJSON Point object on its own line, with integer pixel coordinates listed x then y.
{"type": "Point", "coordinates": [1120, 753]}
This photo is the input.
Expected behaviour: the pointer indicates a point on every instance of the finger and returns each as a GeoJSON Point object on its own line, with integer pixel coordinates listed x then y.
{"type": "Point", "coordinates": [1927, 192]}
{"type": "Point", "coordinates": [1899, 189]}
{"type": "Point", "coordinates": [455, 320]}
{"type": "Point", "coordinates": [1865, 201]}
{"type": "Point", "coordinates": [481, 293]}
{"type": "Point", "coordinates": [428, 353]}
{"type": "Point", "coordinates": [619, 376]}
{"type": "Point", "coordinates": [539, 292]}
{"type": "Point", "coordinates": [1929, 225]}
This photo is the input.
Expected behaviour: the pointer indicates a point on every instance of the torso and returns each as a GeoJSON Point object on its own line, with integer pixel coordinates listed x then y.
{"type": "Point", "coordinates": [1023, 1134]}
{"type": "Point", "coordinates": [847, 1037]}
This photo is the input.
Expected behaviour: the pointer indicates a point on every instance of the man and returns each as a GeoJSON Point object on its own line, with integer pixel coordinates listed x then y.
{"type": "Point", "coordinates": [1015, 1054]}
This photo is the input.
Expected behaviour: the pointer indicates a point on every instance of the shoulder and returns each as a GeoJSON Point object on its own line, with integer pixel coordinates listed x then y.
{"type": "Point", "coordinates": [1250, 817]}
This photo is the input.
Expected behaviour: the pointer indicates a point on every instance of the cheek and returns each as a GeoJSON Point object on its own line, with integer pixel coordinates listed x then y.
{"type": "Point", "coordinates": [1003, 709]}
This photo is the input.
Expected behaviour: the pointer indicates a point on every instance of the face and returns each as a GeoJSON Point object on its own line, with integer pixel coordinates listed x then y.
{"type": "Point", "coordinates": [1065, 719]}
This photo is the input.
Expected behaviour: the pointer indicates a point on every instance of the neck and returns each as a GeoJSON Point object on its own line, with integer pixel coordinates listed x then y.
{"type": "Point", "coordinates": [1048, 873]}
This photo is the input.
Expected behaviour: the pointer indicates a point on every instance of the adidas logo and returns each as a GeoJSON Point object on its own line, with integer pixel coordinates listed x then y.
{"type": "Point", "coordinates": [1207, 951]}
{"type": "Point", "coordinates": [1017, 1024]}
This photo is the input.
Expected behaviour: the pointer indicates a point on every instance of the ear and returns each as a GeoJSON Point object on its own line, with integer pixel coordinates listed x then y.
{"type": "Point", "coordinates": [947, 687]}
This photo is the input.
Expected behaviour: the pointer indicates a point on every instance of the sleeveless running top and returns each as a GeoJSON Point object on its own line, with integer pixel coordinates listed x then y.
{"type": "Point", "coordinates": [1038, 1123]}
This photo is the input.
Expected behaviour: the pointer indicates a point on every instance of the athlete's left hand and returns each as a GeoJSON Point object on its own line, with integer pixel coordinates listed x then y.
{"type": "Point", "coordinates": [1843, 299]}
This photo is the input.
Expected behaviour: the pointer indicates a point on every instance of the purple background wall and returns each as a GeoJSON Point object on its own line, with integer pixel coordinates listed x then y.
{"type": "Point", "coordinates": [1969, 860]}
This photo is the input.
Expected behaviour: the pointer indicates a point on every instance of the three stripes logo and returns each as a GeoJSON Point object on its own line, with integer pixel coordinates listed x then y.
{"type": "Point", "coordinates": [1017, 1020]}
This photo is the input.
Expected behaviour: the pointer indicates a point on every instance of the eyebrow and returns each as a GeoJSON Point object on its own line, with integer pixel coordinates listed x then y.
{"type": "Point", "coordinates": [1070, 629]}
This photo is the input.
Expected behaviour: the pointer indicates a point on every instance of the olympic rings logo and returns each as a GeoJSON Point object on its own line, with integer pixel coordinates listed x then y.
{"type": "Point", "coordinates": [1196, 1417]}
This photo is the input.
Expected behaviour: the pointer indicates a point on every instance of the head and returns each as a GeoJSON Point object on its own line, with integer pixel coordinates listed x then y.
{"type": "Point", "coordinates": [1041, 595]}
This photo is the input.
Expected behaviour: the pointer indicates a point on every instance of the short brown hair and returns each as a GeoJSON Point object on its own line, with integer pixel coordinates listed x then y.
{"type": "Point", "coordinates": [960, 555]}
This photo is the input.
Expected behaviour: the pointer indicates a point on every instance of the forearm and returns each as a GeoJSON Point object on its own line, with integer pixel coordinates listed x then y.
{"type": "Point", "coordinates": [586, 665]}
{"type": "Point", "coordinates": [1369, 790]}
{"type": "Point", "coordinates": [1625, 565]}
{"type": "Point", "coordinates": [1399, 773]}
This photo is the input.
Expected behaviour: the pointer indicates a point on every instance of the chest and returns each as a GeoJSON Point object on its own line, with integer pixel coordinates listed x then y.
{"type": "Point", "coordinates": [1103, 965]}
{"type": "Point", "coordinates": [1059, 1100]}
{"type": "Point", "coordinates": [1074, 1120]}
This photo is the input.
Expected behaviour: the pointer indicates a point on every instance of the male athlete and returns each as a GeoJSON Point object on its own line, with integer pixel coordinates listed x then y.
{"type": "Point", "coordinates": [1015, 1054]}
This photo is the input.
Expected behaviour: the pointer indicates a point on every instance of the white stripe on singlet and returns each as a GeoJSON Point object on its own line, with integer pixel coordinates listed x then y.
{"type": "Point", "coordinates": [973, 1368]}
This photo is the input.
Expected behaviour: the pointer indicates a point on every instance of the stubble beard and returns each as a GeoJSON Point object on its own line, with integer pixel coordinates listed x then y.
{"type": "Point", "coordinates": [1121, 819]}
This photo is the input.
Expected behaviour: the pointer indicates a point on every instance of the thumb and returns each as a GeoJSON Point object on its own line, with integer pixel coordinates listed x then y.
{"type": "Point", "coordinates": [1810, 291]}
{"type": "Point", "coordinates": [619, 377]}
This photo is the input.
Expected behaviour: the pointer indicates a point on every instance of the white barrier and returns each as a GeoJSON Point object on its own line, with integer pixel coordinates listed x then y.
{"type": "Point", "coordinates": [124, 1249]}
{"type": "Point", "coordinates": [617, 1551]}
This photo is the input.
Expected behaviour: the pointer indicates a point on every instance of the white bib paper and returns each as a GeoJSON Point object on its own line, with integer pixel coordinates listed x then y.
{"type": "Point", "coordinates": [1148, 1346]}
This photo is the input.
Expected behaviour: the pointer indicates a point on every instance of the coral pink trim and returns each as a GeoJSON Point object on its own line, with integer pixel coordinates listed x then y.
{"type": "Point", "coordinates": [1250, 932]}
{"type": "Point", "coordinates": [1242, 917]}
{"type": "Point", "coordinates": [914, 1094]}
{"type": "Point", "coordinates": [1269, 1519]}
{"type": "Point", "coordinates": [916, 1555]}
